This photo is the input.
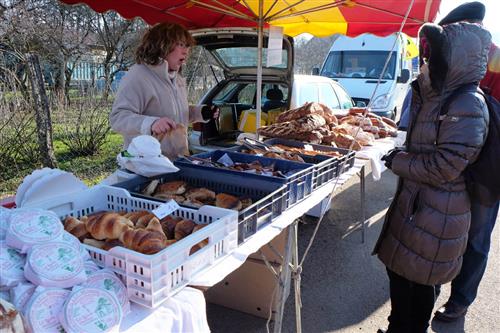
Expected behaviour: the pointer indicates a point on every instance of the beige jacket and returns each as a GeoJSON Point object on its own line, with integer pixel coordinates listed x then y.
{"type": "Point", "coordinates": [146, 94]}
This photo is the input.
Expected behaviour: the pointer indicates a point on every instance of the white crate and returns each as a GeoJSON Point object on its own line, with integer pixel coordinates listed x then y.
{"type": "Point", "coordinates": [151, 279]}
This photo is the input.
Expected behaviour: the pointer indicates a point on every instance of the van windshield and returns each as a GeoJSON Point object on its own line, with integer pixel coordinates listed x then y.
{"type": "Point", "coordinates": [359, 64]}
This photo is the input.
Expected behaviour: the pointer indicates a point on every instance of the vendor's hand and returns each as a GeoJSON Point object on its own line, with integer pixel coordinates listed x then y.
{"type": "Point", "coordinates": [209, 112]}
{"type": "Point", "coordinates": [162, 125]}
{"type": "Point", "coordinates": [387, 158]}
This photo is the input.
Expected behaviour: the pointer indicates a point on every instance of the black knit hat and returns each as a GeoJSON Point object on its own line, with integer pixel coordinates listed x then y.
{"type": "Point", "coordinates": [473, 11]}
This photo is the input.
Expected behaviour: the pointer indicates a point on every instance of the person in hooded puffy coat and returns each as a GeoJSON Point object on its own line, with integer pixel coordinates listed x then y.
{"type": "Point", "coordinates": [425, 230]}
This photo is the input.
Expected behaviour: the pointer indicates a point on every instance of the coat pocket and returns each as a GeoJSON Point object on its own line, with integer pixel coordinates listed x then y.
{"type": "Point", "coordinates": [413, 205]}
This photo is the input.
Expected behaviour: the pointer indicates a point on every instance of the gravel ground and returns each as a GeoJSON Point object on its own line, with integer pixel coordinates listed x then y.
{"type": "Point", "coordinates": [345, 288]}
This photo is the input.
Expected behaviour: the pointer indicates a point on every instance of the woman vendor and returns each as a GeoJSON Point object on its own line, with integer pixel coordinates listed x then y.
{"type": "Point", "coordinates": [152, 98]}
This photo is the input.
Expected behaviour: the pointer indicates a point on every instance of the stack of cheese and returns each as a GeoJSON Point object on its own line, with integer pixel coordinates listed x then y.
{"type": "Point", "coordinates": [48, 276]}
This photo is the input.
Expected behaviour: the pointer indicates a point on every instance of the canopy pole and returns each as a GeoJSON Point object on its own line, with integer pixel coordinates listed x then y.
{"type": "Point", "coordinates": [259, 67]}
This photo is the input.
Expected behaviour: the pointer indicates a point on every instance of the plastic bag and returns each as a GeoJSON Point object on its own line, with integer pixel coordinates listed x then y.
{"type": "Point", "coordinates": [143, 157]}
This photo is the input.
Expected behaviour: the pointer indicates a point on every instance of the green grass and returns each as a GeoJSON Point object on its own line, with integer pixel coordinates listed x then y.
{"type": "Point", "coordinates": [90, 169]}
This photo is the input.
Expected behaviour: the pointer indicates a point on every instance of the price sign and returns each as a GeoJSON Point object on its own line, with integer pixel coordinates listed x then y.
{"type": "Point", "coordinates": [165, 209]}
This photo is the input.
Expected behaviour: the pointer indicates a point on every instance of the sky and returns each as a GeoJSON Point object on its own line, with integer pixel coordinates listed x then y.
{"type": "Point", "coordinates": [491, 19]}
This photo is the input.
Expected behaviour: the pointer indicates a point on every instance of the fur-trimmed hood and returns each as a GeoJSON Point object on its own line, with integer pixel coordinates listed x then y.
{"type": "Point", "coordinates": [458, 54]}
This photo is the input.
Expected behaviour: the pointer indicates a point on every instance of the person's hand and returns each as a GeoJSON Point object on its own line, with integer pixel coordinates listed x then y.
{"type": "Point", "coordinates": [387, 158]}
{"type": "Point", "coordinates": [209, 112]}
{"type": "Point", "coordinates": [162, 125]}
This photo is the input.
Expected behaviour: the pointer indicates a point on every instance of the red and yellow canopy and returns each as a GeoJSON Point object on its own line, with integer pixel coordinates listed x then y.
{"type": "Point", "coordinates": [318, 17]}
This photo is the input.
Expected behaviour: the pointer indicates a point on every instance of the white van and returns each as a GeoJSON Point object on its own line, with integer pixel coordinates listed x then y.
{"type": "Point", "coordinates": [356, 63]}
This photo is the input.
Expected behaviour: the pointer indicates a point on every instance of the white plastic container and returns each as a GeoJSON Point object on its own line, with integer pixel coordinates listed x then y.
{"type": "Point", "coordinates": [151, 279]}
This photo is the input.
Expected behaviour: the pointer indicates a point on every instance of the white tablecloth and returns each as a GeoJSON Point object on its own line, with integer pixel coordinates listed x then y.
{"type": "Point", "coordinates": [183, 313]}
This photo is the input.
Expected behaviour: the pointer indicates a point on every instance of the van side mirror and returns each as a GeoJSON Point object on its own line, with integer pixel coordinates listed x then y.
{"type": "Point", "coordinates": [405, 76]}
{"type": "Point", "coordinates": [360, 104]}
{"type": "Point", "coordinates": [315, 71]}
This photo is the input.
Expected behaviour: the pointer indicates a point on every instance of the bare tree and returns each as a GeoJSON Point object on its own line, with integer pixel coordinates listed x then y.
{"type": "Point", "coordinates": [311, 53]}
{"type": "Point", "coordinates": [118, 38]}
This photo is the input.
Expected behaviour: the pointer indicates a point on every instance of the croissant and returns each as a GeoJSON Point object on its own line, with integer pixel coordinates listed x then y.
{"type": "Point", "coordinates": [155, 225]}
{"type": "Point", "coordinates": [144, 241]}
{"type": "Point", "coordinates": [183, 228]}
{"type": "Point", "coordinates": [107, 225]}
{"type": "Point", "coordinates": [76, 227]}
{"type": "Point", "coordinates": [168, 224]}
{"type": "Point", "coordinates": [95, 243]}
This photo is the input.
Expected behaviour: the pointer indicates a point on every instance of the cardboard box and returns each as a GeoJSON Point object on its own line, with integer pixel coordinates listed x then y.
{"type": "Point", "coordinates": [252, 289]}
{"type": "Point", "coordinates": [279, 244]}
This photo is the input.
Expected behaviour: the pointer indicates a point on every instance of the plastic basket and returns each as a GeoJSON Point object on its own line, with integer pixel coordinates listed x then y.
{"type": "Point", "coordinates": [344, 162]}
{"type": "Point", "coordinates": [151, 279]}
{"type": "Point", "coordinates": [269, 198]}
{"type": "Point", "coordinates": [298, 180]}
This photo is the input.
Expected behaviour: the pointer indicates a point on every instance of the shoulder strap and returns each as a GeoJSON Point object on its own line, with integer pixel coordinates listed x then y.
{"type": "Point", "coordinates": [455, 94]}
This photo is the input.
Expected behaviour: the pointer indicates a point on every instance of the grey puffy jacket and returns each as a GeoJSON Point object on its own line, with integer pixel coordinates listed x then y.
{"type": "Point", "coordinates": [425, 231]}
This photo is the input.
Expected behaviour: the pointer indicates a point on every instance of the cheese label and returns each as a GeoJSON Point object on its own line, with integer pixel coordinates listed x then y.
{"type": "Point", "coordinates": [35, 225]}
{"type": "Point", "coordinates": [11, 263]}
{"type": "Point", "coordinates": [92, 310]}
{"type": "Point", "coordinates": [90, 267]}
{"type": "Point", "coordinates": [165, 209]}
{"type": "Point", "coordinates": [107, 280]}
{"type": "Point", "coordinates": [56, 261]}
{"type": "Point", "coordinates": [43, 310]}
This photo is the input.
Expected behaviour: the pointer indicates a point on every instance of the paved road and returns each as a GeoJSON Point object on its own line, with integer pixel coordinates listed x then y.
{"type": "Point", "coordinates": [345, 289]}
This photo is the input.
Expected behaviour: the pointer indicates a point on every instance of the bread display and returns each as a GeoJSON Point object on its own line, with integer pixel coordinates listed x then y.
{"type": "Point", "coordinates": [140, 231]}
{"type": "Point", "coordinates": [316, 123]}
{"type": "Point", "coordinates": [197, 196]}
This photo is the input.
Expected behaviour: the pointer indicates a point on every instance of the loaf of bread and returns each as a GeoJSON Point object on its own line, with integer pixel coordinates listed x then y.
{"type": "Point", "coordinates": [176, 187]}
{"type": "Point", "coordinates": [228, 201]}
{"type": "Point", "coordinates": [183, 228]}
{"type": "Point", "coordinates": [200, 194]}
{"type": "Point", "coordinates": [107, 225]}
{"type": "Point", "coordinates": [94, 242]}
{"type": "Point", "coordinates": [201, 244]}
{"type": "Point", "coordinates": [144, 241]}
{"type": "Point", "coordinates": [76, 227]}
{"type": "Point", "coordinates": [168, 224]}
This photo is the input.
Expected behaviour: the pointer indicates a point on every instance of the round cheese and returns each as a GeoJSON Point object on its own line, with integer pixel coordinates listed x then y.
{"type": "Point", "coordinates": [90, 267]}
{"type": "Point", "coordinates": [42, 310]}
{"type": "Point", "coordinates": [107, 280]}
{"type": "Point", "coordinates": [91, 310]}
{"type": "Point", "coordinates": [21, 294]}
{"type": "Point", "coordinates": [55, 264]}
{"type": "Point", "coordinates": [29, 227]}
{"type": "Point", "coordinates": [11, 266]}
{"type": "Point", "coordinates": [70, 239]}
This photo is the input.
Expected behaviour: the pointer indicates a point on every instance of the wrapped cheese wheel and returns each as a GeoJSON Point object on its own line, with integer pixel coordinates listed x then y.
{"type": "Point", "coordinates": [107, 280]}
{"type": "Point", "coordinates": [11, 320]}
{"type": "Point", "coordinates": [4, 221]}
{"type": "Point", "coordinates": [21, 294]}
{"type": "Point", "coordinates": [42, 310]}
{"type": "Point", "coordinates": [90, 267]}
{"type": "Point", "coordinates": [55, 264]}
{"type": "Point", "coordinates": [33, 226]}
{"type": "Point", "coordinates": [11, 266]}
{"type": "Point", "coordinates": [91, 310]}
{"type": "Point", "coordinates": [69, 238]}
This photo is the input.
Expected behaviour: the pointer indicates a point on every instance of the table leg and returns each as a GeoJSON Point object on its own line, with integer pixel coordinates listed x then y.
{"type": "Point", "coordinates": [362, 202]}
{"type": "Point", "coordinates": [284, 280]}
{"type": "Point", "coordinates": [296, 277]}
